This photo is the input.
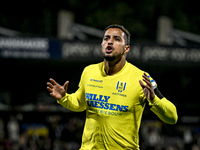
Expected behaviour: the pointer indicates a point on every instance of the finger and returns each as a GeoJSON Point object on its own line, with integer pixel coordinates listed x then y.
{"type": "Point", "coordinates": [148, 82]}
{"type": "Point", "coordinates": [49, 89]}
{"type": "Point", "coordinates": [145, 77]}
{"type": "Point", "coordinates": [148, 78]}
{"type": "Point", "coordinates": [145, 91]}
{"type": "Point", "coordinates": [49, 84]}
{"type": "Point", "coordinates": [53, 81]}
{"type": "Point", "coordinates": [66, 85]}
{"type": "Point", "coordinates": [52, 94]}
{"type": "Point", "coordinates": [142, 84]}
{"type": "Point", "coordinates": [148, 87]}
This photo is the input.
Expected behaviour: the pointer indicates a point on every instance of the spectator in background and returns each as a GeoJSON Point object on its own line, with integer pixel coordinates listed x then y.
{"type": "Point", "coordinates": [13, 129]}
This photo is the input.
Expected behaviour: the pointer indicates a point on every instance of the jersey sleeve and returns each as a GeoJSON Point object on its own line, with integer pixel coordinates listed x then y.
{"type": "Point", "coordinates": [75, 101]}
{"type": "Point", "coordinates": [162, 107]}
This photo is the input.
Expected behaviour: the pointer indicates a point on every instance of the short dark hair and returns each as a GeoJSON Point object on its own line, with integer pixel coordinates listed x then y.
{"type": "Point", "coordinates": [127, 33]}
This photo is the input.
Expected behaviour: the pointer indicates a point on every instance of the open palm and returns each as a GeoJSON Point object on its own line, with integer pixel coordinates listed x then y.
{"type": "Point", "coordinates": [56, 90]}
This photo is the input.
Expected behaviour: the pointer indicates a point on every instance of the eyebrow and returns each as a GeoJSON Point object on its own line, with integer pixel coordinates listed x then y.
{"type": "Point", "coordinates": [115, 36]}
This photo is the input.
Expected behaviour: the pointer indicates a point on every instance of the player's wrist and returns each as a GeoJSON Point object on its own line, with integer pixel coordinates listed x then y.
{"type": "Point", "coordinates": [152, 97]}
{"type": "Point", "coordinates": [63, 98]}
{"type": "Point", "coordinates": [154, 100]}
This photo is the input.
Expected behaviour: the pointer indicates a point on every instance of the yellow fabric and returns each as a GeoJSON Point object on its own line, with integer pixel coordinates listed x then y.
{"type": "Point", "coordinates": [114, 106]}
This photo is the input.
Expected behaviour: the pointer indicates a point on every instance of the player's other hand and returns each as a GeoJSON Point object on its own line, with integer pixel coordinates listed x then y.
{"type": "Point", "coordinates": [148, 88]}
{"type": "Point", "coordinates": [57, 91]}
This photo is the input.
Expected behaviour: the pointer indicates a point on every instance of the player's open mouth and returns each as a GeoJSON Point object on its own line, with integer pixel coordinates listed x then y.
{"type": "Point", "coordinates": [109, 49]}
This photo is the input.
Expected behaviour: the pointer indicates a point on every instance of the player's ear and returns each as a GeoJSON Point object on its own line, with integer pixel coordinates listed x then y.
{"type": "Point", "coordinates": [126, 49]}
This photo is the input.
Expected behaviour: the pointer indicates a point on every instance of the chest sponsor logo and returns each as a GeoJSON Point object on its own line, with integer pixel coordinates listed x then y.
{"type": "Point", "coordinates": [94, 85]}
{"type": "Point", "coordinates": [94, 80]}
{"type": "Point", "coordinates": [102, 102]}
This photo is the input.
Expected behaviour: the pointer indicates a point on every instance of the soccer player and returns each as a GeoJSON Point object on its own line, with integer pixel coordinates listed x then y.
{"type": "Point", "coordinates": [114, 93]}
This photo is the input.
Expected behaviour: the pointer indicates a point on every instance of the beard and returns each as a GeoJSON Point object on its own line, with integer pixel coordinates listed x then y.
{"type": "Point", "coordinates": [113, 56]}
{"type": "Point", "coordinates": [109, 57]}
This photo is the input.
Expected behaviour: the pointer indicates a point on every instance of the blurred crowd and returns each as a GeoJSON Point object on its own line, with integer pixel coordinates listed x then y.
{"type": "Point", "coordinates": [52, 133]}
{"type": "Point", "coordinates": [156, 135]}
{"type": "Point", "coordinates": [63, 132]}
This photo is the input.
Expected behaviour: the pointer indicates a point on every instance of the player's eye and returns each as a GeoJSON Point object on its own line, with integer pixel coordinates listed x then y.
{"type": "Point", "coordinates": [117, 38]}
{"type": "Point", "coordinates": [106, 38]}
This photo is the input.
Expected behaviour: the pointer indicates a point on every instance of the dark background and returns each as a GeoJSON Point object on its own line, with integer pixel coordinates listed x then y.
{"type": "Point", "coordinates": [23, 81]}
{"type": "Point", "coordinates": [140, 17]}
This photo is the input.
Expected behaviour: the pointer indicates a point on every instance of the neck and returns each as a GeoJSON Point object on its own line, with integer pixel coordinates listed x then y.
{"type": "Point", "coordinates": [113, 67]}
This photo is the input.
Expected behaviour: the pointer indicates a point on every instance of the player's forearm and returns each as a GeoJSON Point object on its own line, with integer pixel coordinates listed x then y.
{"type": "Point", "coordinates": [165, 110]}
{"type": "Point", "coordinates": [71, 102]}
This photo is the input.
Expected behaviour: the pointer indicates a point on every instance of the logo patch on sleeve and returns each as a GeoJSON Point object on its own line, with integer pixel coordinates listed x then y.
{"type": "Point", "coordinates": [153, 82]}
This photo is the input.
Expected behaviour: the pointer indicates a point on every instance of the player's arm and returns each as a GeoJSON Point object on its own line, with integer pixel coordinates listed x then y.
{"type": "Point", "coordinates": [73, 102]}
{"type": "Point", "coordinates": [163, 108]}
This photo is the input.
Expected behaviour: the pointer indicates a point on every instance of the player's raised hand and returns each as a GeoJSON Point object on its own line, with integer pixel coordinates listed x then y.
{"type": "Point", "coordinates": [57, 91]}
{"type": "Point", "coordinates": [148, 88]}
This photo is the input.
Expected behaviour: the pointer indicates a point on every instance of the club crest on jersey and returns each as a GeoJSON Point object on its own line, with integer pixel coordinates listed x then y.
{"type": "Point", "coordinates": [121, 86]}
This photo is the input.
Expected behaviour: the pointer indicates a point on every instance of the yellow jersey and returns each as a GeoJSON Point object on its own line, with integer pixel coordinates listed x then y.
{"type": "Point", "coordinates": [114, 106]}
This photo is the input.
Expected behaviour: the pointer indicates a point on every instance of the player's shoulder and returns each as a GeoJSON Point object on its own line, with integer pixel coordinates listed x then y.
{"type": "Point", "coordinates": [132, 68]}
{"type": "Point", "coordinates": [92, 67]}
{"type": "Point", "coordinates": [136, 72]}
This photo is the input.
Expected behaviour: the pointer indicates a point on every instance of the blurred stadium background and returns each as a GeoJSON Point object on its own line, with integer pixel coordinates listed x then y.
{"type": "Point", "coordinates": [43, 39]}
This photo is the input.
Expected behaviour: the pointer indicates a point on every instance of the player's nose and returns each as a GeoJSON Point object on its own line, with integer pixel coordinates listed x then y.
{"type": "Point", "coordinates": [110, 41]}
